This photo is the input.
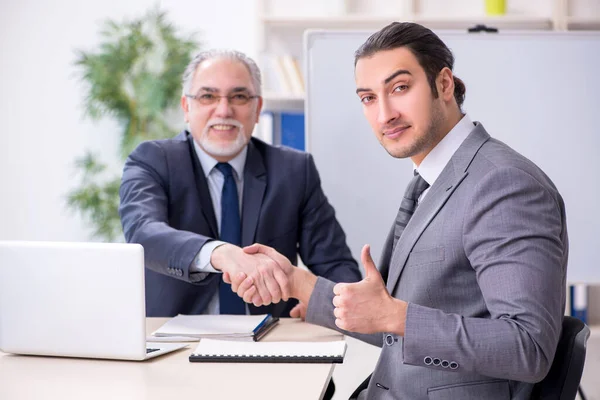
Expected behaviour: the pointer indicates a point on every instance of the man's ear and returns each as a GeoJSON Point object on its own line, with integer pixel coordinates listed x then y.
{"type": "Point", "coordinates": [259, 106]}
{"type": "Point", "coordinates": [186, 108]}
{"type": "Point", "coordinates": [445, 84]}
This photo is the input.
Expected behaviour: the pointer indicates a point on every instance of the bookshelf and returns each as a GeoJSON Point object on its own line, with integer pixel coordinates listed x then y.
{"type": "Point", "coordinates": [280, 102]}
{"type": "Point", "coordinates": [432, 21]}
{"type": "Point", "coordinates": [281, 25]}
{"type": "Point", "coordinates": [583, 23]}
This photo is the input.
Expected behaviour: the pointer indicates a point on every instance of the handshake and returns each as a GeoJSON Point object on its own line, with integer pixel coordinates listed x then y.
{"type": "Point", "coordinates": [259, 274]}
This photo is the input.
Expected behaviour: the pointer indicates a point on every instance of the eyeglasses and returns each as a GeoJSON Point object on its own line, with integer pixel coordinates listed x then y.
{"type": "Point", "coordinates": [237, 99]}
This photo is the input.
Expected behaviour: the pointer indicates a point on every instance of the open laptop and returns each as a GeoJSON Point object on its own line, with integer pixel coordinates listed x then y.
{"type": "Point", "coordinates": [75, 299]}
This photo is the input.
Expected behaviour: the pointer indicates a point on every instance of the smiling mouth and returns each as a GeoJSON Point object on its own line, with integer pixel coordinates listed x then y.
{"type": "Point", "coordinates": [395, 132]}
{"type": "Point", "coordinates": [223, 127]}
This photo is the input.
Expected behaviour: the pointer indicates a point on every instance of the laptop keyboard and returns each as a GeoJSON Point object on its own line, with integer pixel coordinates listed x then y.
{"type": "Point", "coordinates": [148, 350]}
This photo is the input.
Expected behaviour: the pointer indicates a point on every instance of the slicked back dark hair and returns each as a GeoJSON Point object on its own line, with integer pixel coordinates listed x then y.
{"type": "Point", "coordinates": [431, 53]}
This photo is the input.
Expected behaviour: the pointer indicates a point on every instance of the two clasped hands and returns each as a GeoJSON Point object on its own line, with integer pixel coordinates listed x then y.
{"type": "Point", "coordinates": [261, 276]}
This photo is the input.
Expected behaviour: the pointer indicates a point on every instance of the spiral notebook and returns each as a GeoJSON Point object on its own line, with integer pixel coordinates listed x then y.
{"type": "Point", "coordinates": [211, 350]}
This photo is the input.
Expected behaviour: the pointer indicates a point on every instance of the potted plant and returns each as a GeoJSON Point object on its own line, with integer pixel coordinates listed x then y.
{"type": "Point", "coordinates": [134, 76]}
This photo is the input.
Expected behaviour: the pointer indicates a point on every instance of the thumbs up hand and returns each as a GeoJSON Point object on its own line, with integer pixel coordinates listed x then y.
{"type": "Point", "coordinates": [366, 306]}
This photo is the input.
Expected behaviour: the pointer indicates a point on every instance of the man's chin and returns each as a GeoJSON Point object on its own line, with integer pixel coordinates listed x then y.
{"type": "Point", "coordinates": [222, 149]}
{"type": "Point", "coordinates": [398, 151]}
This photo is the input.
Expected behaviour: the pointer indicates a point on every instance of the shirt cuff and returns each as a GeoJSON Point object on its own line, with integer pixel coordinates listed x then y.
{"type": "Point", "coordinates": [202, 261]}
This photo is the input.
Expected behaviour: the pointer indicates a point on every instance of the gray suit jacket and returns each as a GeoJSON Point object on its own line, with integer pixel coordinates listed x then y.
{"type": "Point", "coordinates": [482, 264]}
{"type": "Point", "coordinates": [167, 208]}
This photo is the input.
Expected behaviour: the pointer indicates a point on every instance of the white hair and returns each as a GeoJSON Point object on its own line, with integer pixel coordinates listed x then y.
{"type": "Point", "coordinates": [190, 70]}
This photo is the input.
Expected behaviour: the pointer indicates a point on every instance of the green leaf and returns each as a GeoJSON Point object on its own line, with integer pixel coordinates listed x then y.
{"type": "Point", "coordinates": [133, 76]}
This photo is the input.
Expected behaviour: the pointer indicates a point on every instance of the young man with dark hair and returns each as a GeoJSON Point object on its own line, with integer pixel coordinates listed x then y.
{"type": "Point", "coordinates": [469, 297]}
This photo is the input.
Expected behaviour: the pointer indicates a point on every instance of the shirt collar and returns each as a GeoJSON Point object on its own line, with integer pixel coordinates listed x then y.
{"type": "Point", "coordinates": [432, 165]}
{"type": "Point", "coordinates": [208, 163]}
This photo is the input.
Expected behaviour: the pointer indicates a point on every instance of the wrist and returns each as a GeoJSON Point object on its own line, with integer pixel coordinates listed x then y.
{"type": "Point", "coordinates": [220, 256]}
{"type": "Point", "coordinates": [397, 317]}
{"type": "Point", "coordinates": [302, 283]}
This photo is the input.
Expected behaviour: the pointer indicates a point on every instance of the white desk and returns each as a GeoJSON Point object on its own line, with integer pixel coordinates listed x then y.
{"type": "Point", "coordinates": [170, 376]}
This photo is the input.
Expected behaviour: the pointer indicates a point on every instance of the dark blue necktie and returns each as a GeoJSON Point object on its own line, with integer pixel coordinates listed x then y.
{"type": "Point", "coordinates": [230, 302]}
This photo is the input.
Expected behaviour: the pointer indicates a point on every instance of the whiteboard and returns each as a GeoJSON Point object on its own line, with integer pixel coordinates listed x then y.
{"type": "Point", "coordinates": [538, 92]}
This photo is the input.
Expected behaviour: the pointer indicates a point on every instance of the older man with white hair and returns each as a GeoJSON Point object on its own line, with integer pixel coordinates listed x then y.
{"type": "Point", "coordinates": [193, 201]}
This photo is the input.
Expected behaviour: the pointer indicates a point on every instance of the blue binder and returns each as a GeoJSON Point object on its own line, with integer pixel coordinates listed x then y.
{"type": "Point", "coordinates": [292, 130]}
{"type": "Point", "coordinates": [579, 302]}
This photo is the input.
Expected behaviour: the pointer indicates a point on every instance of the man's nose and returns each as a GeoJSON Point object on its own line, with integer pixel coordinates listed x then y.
{"type": "Point", "coordinates": [386, 112]}
{"type": "Point", "coordinates": [223, 108]}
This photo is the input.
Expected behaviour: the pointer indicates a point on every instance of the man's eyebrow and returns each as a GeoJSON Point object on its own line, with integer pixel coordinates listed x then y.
{"type": "Point", "coordinates": [208, 89]}
{"type": "Point", "coordinates": [240, 89]}
{"type": "Point", "coordinates": [395, 74]}
{"type": "Point", "coordinates": [387, 80]}
{"type": "Point", "coordinates": [215, 90]}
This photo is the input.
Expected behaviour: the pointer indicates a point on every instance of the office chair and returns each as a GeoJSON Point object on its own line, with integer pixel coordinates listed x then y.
{"type": "Point", "coordinates": [562, 381]}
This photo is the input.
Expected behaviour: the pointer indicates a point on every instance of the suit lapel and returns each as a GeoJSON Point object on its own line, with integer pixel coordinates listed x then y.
{"type": "Point", "coordinates": [452, 175]}
{"type": "Point", "coordinates": [206, 205]}
{"type": "Point", "coordinates": [255, 184]}
{"type": "Point", "coordinates": [437, 196]}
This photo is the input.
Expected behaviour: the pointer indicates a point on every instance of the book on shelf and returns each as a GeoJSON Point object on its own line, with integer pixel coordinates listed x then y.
{"type": "Point", "coordinates": [283, 75]}
{"type": "Point", "coordinates": [578, 294]}
{"type": "Point", "coordinates": [293, 74]}
{"type": "Point", "coordinates": [292, 130]}
{"type": "Point", "coordinates": [282, 128]}
{"type": "Point", "coordinates": [283, 85]}
{"type": "Point", "coordinates": [264, 128]}
{"type": "Point", "coordinates": [226, 327]}
{"type": "Point", "coordinates": [210, 350]}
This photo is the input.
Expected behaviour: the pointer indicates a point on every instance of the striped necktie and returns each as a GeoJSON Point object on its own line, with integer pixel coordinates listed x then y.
{"type": "Point", "coordinates": [409, 203]}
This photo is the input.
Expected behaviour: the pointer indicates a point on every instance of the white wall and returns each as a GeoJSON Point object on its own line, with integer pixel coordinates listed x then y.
{"type": "Point", "coordinates": [42, 127]}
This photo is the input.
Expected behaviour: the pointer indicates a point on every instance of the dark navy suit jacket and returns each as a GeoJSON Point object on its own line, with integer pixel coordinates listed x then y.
{"type": "Point", "coordinates": [166, 207]}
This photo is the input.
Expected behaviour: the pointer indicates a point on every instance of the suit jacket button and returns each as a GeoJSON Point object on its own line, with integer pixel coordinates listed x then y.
{"type": "Point", "coordinates": [389, 340]}
{"type": "Point", "coordinates": [179, 272]}
{"type": "Point", "coordinates": [453, 365]}
{"type": "Point", "coordinates": [437, 361]}
{"type": "Point", "coordinates": [427, 360]}
{"type": "Point", "coordinates": [445, 364]}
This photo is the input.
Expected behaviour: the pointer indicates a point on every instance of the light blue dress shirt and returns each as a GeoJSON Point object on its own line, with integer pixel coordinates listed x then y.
{"type": "Point", "coordinates": [201, 265]}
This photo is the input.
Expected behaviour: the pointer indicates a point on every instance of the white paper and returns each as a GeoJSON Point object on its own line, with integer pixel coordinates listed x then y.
{"type": "Point", "coordinates": [231, 326]}
{"type": "Point", "coordinates": [172, 339]}
{"type": "Point", "coordinates": [211, 347]}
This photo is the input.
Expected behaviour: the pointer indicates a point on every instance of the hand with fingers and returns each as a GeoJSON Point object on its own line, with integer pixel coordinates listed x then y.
{"type": "Point", "coordinates": [299, 311]}
{"type": "Point", "coordinates": [268, 277]}
{"type": "Point", "coordinates": [247, 285]}
{"type": "Point", "coordinates": [366, 306]}
{"type": "Point", "coordinates": [297, 283]}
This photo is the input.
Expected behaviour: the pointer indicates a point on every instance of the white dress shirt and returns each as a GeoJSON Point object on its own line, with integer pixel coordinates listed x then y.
{"type": "Point", "coordinates": [432, 165]}
{"type": "Point", "coordinates": [201, 265]}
